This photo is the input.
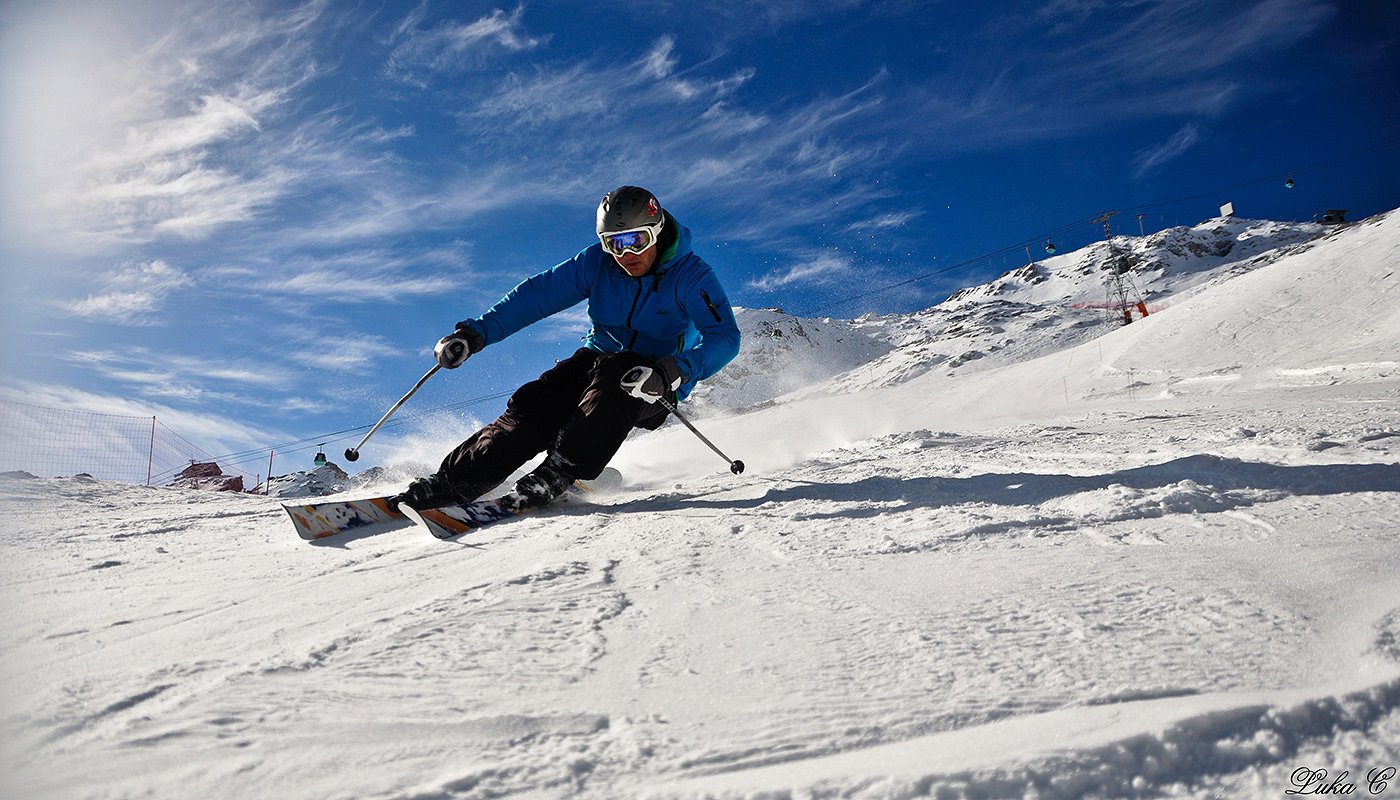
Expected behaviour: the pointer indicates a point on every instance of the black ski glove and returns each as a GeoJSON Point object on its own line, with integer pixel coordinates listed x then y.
{"type": "Point", "coordinates": [458, 346]}
{"type": "Point", "coordinates": [653, 383]}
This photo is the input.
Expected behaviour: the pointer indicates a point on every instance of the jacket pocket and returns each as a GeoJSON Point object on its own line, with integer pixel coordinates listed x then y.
{"type": "Point", "coordinates": [711, 304]}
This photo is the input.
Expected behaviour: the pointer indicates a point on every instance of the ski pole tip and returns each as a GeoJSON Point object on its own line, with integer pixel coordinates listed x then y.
{"type": "Point", "coordinates": [351, 454]}
{"type": "Point", "coordinates": [737, 467]}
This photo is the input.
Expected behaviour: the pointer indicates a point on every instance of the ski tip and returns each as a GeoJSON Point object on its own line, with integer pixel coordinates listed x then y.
{"type": "Point", "coordinates": [610, 480]}
{"type": "Point", "coordinates": [419, 520]}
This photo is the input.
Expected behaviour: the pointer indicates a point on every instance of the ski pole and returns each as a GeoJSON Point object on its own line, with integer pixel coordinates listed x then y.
{"type": "Point", "coordinates": [735, 467]}
{"type": "Point", "coordinates": [353, 453]}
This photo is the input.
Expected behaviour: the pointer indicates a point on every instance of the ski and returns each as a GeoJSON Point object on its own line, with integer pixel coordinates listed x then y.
{"type": "Point", "coordinates": [455, 520]}
{"type": "Point", "coordinates": [318, 520]}
{"type": "Point", "coordinates": [315, 521]}
{"type": "Point", "coordinates": [450, 521]}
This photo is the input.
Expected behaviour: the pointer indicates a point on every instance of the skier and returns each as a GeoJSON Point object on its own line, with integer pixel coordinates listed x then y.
{"type": "Point", "coordinates": [661, 322]}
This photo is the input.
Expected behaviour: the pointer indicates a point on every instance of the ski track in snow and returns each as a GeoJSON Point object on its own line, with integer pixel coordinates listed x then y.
{"type": "Point", "coordinates": [1183, 586]}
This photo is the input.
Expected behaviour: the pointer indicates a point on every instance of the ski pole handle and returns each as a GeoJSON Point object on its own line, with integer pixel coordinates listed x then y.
{"type": "Point", "coordinates": [735, 466]}
{"type": "Point", "coordinates": [353, 453]}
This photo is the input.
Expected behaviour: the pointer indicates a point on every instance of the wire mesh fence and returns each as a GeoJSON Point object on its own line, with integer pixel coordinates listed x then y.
{"type": "Point", "coordinates": [51, 442]}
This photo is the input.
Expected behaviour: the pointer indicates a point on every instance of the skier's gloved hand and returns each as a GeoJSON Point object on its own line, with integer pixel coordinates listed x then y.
{"type": "Point", "coordinates": [458, 346]}
{"type": "Point", "coordinates": [653, 383]}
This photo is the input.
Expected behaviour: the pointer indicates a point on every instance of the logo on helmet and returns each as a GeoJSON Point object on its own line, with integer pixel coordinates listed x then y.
{"type": "Point", "coordinates": [652, 208]}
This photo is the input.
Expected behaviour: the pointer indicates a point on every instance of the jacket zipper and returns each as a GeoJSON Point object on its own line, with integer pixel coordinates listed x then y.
{"type": "Point", "coordinates": [655, 287]}
{"type": "Point", "coordinates": [631, 312]}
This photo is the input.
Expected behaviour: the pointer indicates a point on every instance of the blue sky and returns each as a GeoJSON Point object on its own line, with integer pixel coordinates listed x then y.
{"type": "Point", "coordinates": [254, 219]}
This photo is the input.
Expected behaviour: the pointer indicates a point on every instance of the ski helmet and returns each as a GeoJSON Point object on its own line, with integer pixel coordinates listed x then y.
{"type": "Point", "coordinates": [628, 207]}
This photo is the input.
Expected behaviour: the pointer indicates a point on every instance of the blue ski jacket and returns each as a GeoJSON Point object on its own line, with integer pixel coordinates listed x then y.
{"type": "Point", "coordinates": [678, 309]}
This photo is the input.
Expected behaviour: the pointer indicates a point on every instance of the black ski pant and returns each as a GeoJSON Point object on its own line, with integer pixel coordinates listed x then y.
{"type": "Point", "coordinates": [576, 410]}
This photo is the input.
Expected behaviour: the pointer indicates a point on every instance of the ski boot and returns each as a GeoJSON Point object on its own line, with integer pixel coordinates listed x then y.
{"type": "Point", "coordinates": [539, 488]}
{"type": "Point", "coordinates": [433, 491]}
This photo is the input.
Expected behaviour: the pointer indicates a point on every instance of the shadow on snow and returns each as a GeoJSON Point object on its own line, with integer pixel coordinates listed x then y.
{"type": "Point", "coordinates": [1031, 489]}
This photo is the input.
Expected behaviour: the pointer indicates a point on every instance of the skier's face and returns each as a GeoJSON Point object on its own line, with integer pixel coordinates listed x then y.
{"type": "Point", "coordinates": [637, 264]}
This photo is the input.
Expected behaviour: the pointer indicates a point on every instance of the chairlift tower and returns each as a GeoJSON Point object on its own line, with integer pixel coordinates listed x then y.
{"type": "Point", "coordinates": [1121, 291]}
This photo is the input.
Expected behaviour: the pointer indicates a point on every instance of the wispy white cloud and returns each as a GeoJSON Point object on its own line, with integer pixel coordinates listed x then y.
{"type": "Point", "coordinates": [1114, 62]}
{"type": "Point", "coordinates": [451, 47]}
{"type": "Point", "coordinates": [592, 90]}
{"type": "Point", "coordinates": [735, 19]}
{"type": "Point", "coordinates": [358, 276]}
{"type": "Point", "coordinates": [822, 268]}
{"type": "Point", "coordinates": [368, 199]}
{"type": "Point", "coordinates": [342, 353]}
{"type": "Point", "coordinates": [151, 372]}
{"type": "Point", "coordinates": [886, 221]}
{"type": "Point", "coordinates": [702, 142]}
{"type": "Point", "coordinates": [545, 98]}
{"type": "Point", "coordinates": [661, 61]}
{"type": "Point", "coordinates": [307, 405]}
{"type": "Point", "coordinates": [788, 214]}
{"type": "Point", "coordinates": [568, 326]}
{"type": "Point", "coordinates": [1068, 13]}
{"type": "Point", "coordinates": [133, 295]}
{"type": "Point", "coordinates": [129, 122]}
{"type": "Point", "coordinates": [1175, 39]}
{"type": "Point", "coordinates": [329, 284]}
{"type": "Point", "coordinates": [1151, 158]}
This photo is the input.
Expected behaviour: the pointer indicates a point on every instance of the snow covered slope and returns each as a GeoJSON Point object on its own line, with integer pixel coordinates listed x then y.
{"type": "Point", "coordinates": [1161, 562]}
{"type": "Point", "coordinates": [1037, 309]}
{"type": "Point", "coordinates": [782, 353]}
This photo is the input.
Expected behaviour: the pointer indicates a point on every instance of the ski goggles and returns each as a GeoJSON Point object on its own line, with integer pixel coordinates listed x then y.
{"type": "Point", "coordinates": [632, 240]}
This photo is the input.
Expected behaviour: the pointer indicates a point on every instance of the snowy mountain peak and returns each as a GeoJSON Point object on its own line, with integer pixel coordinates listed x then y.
{"type": "Point", "coordinates": [1161, 263]}
{"type": "Point", "coordinates": [1027, 312]}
